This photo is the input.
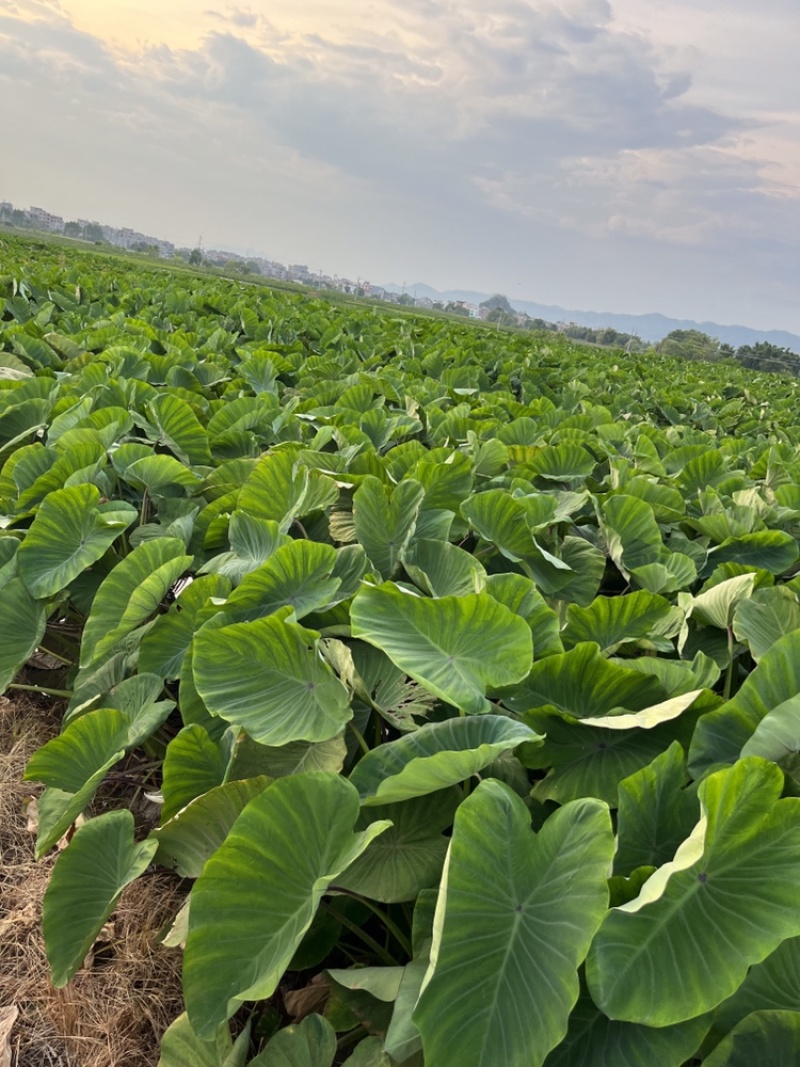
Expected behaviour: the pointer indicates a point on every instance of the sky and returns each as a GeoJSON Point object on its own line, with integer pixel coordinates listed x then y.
{"type": "Point", "coordinates": [606, 155]}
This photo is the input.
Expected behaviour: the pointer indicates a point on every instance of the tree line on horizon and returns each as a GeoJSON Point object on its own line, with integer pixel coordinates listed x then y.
{"type": "Point", "coordinates": [683, 344]}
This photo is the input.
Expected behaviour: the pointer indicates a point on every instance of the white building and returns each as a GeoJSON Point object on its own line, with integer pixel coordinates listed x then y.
{"type": "Point", "coordinates": [45, 221]}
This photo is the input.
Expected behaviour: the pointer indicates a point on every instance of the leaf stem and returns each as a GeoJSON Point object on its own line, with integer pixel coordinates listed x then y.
{"type": "Point", "coordinates": [726, 692]}
{"type": "Point", "coordinates": [390, 924]}
{"type": "Point", "coordinates": [359, 737]}
{"type": "Point", "coordinates": [55, 655]}
{"type": "Point", "coordinates": [353, 1035]}
{"type": "Point", "coordinates": [354, 928]}
{"type": "Point", "coordinates": [41, 689]}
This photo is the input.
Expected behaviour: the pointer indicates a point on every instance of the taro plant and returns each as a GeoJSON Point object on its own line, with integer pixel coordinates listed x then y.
{"type": "Point", "coordinates": [465, 664]}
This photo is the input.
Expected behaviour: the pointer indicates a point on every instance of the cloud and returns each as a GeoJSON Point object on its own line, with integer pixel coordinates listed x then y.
{"type": "Point", "coordinates": [452, 128]}
{"type": "Point", "coordinates": [697, 196]}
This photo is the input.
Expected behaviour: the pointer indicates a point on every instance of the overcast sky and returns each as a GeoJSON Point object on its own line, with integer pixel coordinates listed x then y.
{"type": "Point", "coordinates": [616, 155]}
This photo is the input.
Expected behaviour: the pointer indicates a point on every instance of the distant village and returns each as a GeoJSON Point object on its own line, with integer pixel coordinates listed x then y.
{"type": "Point", "coordinates": [683, 343]}
{"type": "Point", "coordinates": [40, 220]}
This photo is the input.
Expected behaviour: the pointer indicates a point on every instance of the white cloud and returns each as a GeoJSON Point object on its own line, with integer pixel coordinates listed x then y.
{"type": "Point", "coordinates": [428, 139]}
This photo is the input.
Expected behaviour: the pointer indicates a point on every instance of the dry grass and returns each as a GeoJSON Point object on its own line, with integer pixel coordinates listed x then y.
{"type": "Point", "coordinates": [116, 1008]}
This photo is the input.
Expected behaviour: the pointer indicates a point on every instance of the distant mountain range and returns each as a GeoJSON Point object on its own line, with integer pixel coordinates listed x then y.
{"type": "Point", "coordinates": [649, 327]}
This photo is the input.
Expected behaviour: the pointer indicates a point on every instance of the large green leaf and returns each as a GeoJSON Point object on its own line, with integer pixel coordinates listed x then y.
{"type": "Point", "coordinates": [175, 425]}
{"type": "Point", "coordinates": [22, 625]}
{"type": "Point", "coordinates": [138, 700]}
{"type": "Point", "coordinates": [72, 765]}
{"type": "Point", "coordinates": [86, 884]}
{"type": "Point", "coordinates": [252, 539]}
{"type": "Point", "coordinates": [252, 542]}
{"type": "Point", "coordinates": [772, 550]}
{"type": "Point", "coordinates": [632, 533]}
{"type": "Point", "coordinates": [186, 840]}
{"type": "Point", "coordinates": [561, 463]}
{"type": "Point", "coordinates": [724, 903]}
{"type": "Point", "coordinates": [515, 918]}
{"type": "Point", "coordinates": [156, 474]}
{"type": "Point", "coordinates": [181, 1047]}
{"type": "Point", "coordinates": [765, 618]}
{"type": "Point", "coordinates": [310, 1043]}
{"type": "Point", "coordinates": [509, 522]}
{"type": "Point", "coordinates": [193, 764]}
{"type": "Point", "coordinates": [455, 646]}
{"type": "Point", "coordinates": [137, 697]}
{"type": "Point", "coordinates": [383, 983]}
{"type": "Point", "coordinates": [676, 676]}
{"type": "Point", "coordinates": [673, 571]}
{"type": "Point", "coordinates": [610, 621]}
{"type": "Point", "coordinates": [446, 475]}
{"type": "Point", "coordinates": [275, 489]}
{"type": "Point", "coordinates": [384, 521]}
{"type": "Point", "coordinates": [259, 892]}
{"type": "Point", "coordinates": [167, 641]}
{"type": "Point", "coordinates": [767, 1038]}
{"type": "Point", "coordinates": [299, 574]}
{"type": "Point", "coordinates": [521, 595]}
{"type": "Point", "coordinates": [722, 733]}
{"type": "Point", "coordinates": [130, 593]}
{"type": "Point", "coordinates": [582, 683]}
{"type": "Point", "coordinates": [656, 812]}
{"type": "Point", "coordinates": [78, 464]}
{"type": "Point", "coordinates": [441, 569]}
{"type": "Point", "coordinates": [408, 857]}
{"type": "Point", "coordinates": [592, 761]}
{"type": "Point", "coordinates": [251, 759]}
{"type": "Point", "coordinates": [71, 530]}
{"type": "Point", "coordinates": [594, 1040]}
{"type": "Point", "coordinates": [269, 677]}
{"type": "Point", "coordinates": [776, 736]}
{"type": "Point", "coordinates": [20, 421]}
{"type": "Point", "coordinates": [716, 606]}
{"type": "Point", "coordinates": [773, 984]}
{"type": "Point", "coordinates": [281, 488]}
{"type": "Point", "coordinates": [435, 756]}
{"type": "Point", "coordinates": [579, 584]}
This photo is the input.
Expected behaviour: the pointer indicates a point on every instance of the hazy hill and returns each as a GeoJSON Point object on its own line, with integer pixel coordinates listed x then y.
{"type": "Point", "coordinates": [649, 327]}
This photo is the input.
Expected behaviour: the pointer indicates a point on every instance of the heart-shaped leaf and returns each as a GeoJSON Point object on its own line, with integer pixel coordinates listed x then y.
{"type": "Point", "coordinates": [86, 884]}
{"type": "Point", "coordinates": [454, 646]}
{"type": "Point", "coordinates": [260, 890]}
{"type": "Point", "coordinates": [71, 530]}
{"type": "Point", "coordinates": [130, 594]}
{"type": "Point", "coordinates": [726, 901]}
{"type": "Point", "coordinates": [519, 910]}
{"type": "Point", "coordinates": [269, 677]}
{"type": "Point", "coordinates": [435, 756]}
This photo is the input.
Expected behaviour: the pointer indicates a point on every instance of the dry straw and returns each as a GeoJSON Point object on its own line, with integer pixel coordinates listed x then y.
{"type": "Point", "coordinates": [128, 991]}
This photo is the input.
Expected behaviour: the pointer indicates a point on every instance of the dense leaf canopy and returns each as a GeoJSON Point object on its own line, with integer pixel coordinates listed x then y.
{"type": "Point", "coordinates": [463, 662]}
